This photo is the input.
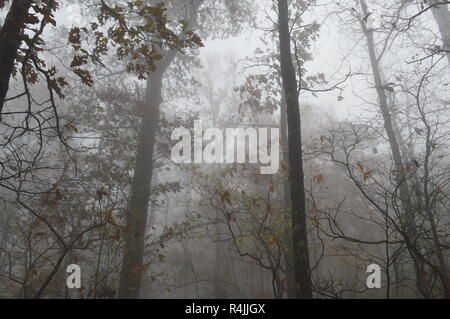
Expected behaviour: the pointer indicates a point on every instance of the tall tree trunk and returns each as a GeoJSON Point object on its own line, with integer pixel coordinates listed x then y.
{"type": "Point", "coordinates": [441, 14]}
{"type": "Point", "coordinates": [289, 256]}
{"type": "Point", "coordinates": [302, 271]}
{"type": "Point", "coordinates": [136, 218]}
{"type": "Point", "coordinates": [133, 254]}
{"type": "Point", "coordinates": [10, 40]}
{"type": "Point", "coordinates": [423, 197]}
{"type": "Point", "coordinates": [405, 198]}
{"type": "Point", "coordinates": [430, 213]}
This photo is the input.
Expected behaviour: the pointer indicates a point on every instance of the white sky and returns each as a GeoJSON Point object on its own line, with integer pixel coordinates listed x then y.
{"type": "Point", "coordinates": [327, 59]}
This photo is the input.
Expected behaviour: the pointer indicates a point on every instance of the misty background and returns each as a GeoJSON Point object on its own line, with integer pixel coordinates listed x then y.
{"type": "Point", "coordinates": [91, 91]}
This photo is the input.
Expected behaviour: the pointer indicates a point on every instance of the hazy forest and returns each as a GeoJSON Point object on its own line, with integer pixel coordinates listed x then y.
{"type": "Point", "coordinates": [348, 102]}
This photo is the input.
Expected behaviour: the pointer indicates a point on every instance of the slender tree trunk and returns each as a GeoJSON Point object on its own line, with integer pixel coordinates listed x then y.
{"type": "Point", "coordinates": [441, 14]}
{"type": "Point", "coordinates": [303, 284]}
{"type": "Point", "coordinates": [405, 198]}
{"type": "Point", "coordinates": [10, 40]}
{"type": "Point", "coordinates": [289, 256]}
{"type": "Point", "coordinates": [132, 267]}
{"type": "Point", "coordinates": [423, 197]}
{"type": "Point", "coordinates": [133, 254]}
{"type": "Point", "coordinates": [438, 248]}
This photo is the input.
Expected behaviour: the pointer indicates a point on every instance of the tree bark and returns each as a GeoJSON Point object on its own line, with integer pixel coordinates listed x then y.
{"type": "Point", "coordinates": [441, 14]}
{"type": "Point", "coordinates": [10, 41]}
{"type": "Point", "coordinates": [302, 271]}
{"type": "Point", "coordinates": [405, 198]}
{"type": "Point", "coordinates": [133, 255]}
{"type": "Point", "coordinates": [423, 198]}
{"type": "Point", "coordinates": [136, 218]}
{"type": "Point", "coordinates": [289, 256]}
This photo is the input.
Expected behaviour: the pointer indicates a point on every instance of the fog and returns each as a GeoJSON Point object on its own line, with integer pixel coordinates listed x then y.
{"type": "Point", "coordinates": [224, 149]}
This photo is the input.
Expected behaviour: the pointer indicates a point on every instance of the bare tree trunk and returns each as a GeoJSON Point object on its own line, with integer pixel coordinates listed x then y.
{"type": "Point", "coordinates": [441, 14]}
{"type": "Point", "coordinates": [10, 40]}
{"type": "Point", "coordinates": [443, 268]}
{"type": "Point", "coordinates": [405, 198]}
{"type": "Point", "coordinates": [303, 284]}
{"type": "Point", "coordinates": [288, 256]}
{"type": "Point", "coordinates": [133, 255]}
{"type": "Point", "coordinates": [423, 197]}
